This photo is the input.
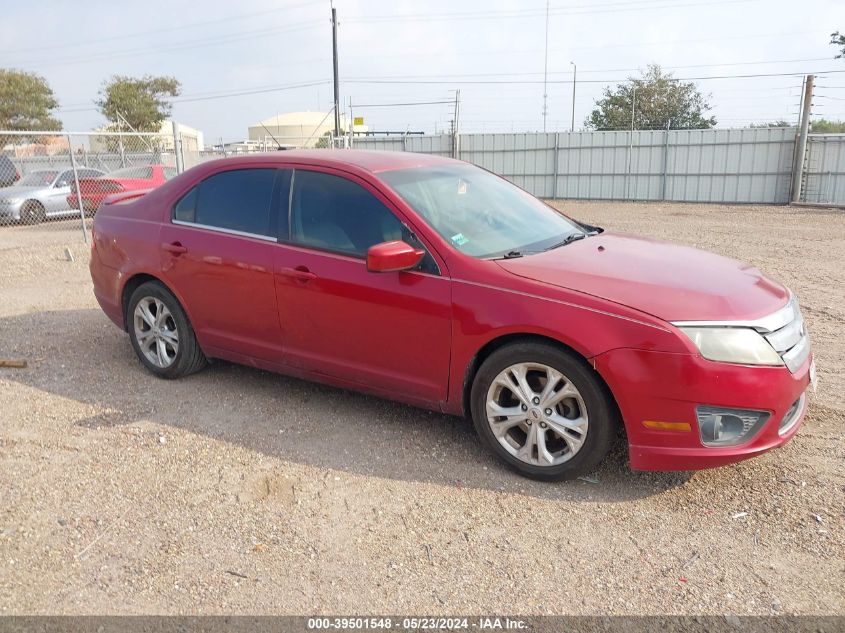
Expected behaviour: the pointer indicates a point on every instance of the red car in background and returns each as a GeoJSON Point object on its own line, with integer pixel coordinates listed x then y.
{"type": "Point", "coordinates": [136, 178]}
{"type": "Point", "coordinates": [436, 283]}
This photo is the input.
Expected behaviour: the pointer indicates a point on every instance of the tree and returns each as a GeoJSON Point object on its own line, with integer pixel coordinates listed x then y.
{"type": "Point", "coordinates": [142, 103]}
{"type": "Point", "coordinates": [26, 102]}
{"type": "Point", "coordinates": [661, 101]}
{"type": "Point", "coordinates": [838, 39]}
{"type": "Point", "coordinates": [824, 126]}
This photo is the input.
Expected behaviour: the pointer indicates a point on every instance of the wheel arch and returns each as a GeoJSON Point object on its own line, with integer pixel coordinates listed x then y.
{"type": "Point", "coordinates": [134, 282]}
{"type": "Point", "coordinates": [30, 203]}
{"type": "Point", "coordinates": [524, 337]}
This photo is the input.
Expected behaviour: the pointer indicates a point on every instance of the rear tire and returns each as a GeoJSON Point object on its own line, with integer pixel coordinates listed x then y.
{"type": "Point", "coordinates": [32, 212]}
{"type": "Point", "coordinates": [161, 334]}
{"type": "Point", "coordinates": [543, 411]}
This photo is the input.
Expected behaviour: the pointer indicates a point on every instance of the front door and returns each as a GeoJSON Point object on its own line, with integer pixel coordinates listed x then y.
{"type": "Point", "coordinates": [386, 331]}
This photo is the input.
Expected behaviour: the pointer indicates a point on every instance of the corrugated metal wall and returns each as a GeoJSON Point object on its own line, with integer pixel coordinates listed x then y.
{"type": "Point", "coordinates": [741, 165]}
{"type": "Point", "coordinates": [824, 171]}
{"type": "Point", "coordinates": [440, 144]}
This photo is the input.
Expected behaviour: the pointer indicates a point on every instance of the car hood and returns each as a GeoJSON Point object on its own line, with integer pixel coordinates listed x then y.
{"type": "Point", "coordinates": [671, 282]}
{"type": "Point", "coordinates": [19, 191]}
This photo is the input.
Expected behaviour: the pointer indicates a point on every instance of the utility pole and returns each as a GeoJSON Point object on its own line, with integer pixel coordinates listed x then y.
{"type": "Point", "coordinates": [574, 77]}
{"type": "Point", "coordinates": [336, 83]}
{"type": "Point", "coordinates": [456, 138]}
{"type": "Point", "coordinates": [801, 147]}
{"type": "Point", "coordinates": [546, 71]}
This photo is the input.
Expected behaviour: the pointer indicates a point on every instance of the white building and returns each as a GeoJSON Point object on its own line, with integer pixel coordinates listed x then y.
{"type": "Point", "coordinates": [297, 129]}
{"type": "Point", "coordinates": [192, 139]}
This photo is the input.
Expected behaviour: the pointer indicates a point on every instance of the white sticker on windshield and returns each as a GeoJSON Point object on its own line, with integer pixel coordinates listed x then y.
{"type": "Point", "coordinates": [459, 239]}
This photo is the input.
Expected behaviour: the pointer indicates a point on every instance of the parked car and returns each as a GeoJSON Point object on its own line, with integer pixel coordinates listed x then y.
{"type": "Point", "coordinates": [94, 190]}
{"type": "Point", "coordinates": [436, 283]}
{"type": "Point", "coordinates": [40, 195]}
{"type": "Point", "coordinates": [9, 174]}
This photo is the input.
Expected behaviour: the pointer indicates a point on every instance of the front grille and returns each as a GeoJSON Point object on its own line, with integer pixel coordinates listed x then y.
{"type": "Point", "coordinates": [785, 331]}
{"type": "Point", "coordinates": [792, 415]}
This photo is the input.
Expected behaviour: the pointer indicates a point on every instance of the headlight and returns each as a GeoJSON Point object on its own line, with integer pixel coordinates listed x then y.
{"type": "Point", "coordinates": [733, 345]}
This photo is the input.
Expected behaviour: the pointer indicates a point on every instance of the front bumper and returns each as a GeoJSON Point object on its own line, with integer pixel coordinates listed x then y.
{"type": "Point", "coordinates": [668, 387]}
{"type": "Point", "coordinates": [11, 211]}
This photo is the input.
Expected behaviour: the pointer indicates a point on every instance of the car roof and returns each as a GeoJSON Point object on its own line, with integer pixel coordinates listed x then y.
{"type": "Point", "coordinates": [369, 160]}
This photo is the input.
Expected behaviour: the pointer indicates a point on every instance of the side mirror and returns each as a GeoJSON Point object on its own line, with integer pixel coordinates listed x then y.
{"type": "Point", "coordinates": [390, 257]}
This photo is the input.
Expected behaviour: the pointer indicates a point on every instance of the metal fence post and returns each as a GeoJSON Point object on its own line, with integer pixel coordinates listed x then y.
{"type": "Point", "coordinates": [177, 148]}
{"type": "Point", "coordinates": [78, 189]}
{"type": "Point", "coordinates": [665, 164]}
{"type": "Point", "coordinates": [555, 175]}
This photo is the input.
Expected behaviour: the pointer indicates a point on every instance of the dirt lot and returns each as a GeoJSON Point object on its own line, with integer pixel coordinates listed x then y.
{"type": "Point", "coordinates": [241, 491]}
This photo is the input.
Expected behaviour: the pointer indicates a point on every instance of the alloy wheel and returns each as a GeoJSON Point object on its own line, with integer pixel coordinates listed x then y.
{"type": "Point", "coordinates": [537, 414]}
{"type": "Point", "coordinates": [156, 332]}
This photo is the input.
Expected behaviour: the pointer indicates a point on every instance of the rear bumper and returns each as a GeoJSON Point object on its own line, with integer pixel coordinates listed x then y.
{"type": "Point", "coordinates": [107, 287]}
{"type": "Point", "coordinates": [658, 386]}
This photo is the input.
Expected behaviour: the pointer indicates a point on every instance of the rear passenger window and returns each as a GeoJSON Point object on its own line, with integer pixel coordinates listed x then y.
{"type": "Point", "coordinates": [237, 200]}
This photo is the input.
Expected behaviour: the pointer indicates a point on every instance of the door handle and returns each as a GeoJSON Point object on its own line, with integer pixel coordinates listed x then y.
{"type": "Point", "coordinates": [175, 248]}
{"type": "Point", "coordinates": [300, 272]}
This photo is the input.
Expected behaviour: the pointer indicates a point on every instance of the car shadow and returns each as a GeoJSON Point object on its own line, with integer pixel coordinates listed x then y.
{"type": "Point", "coordinates": [92, 362]}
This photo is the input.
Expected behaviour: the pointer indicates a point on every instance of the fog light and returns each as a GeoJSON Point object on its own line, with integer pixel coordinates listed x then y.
{"type": "Point", "coordinates": [719, 426]}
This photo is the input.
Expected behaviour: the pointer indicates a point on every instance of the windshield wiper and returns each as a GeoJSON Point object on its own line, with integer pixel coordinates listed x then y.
{"type": "Point", "coordinates": [509, 255]}
{"type": "Point", "coordinates": [572, 237]}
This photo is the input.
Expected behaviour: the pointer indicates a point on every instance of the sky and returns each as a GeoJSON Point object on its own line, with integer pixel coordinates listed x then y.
{"type": "Point", "coordinates": [240, 62]}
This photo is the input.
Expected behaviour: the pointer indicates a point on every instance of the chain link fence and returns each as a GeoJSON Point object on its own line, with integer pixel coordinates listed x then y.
{"type": "Point", "coordinates": [58, 179]}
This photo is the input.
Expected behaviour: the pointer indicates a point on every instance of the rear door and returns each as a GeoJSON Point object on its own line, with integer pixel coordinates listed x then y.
{"type": "Point", "coordinates": [388, 332]}
{"type": "Point", "coordinates": [217, 252]}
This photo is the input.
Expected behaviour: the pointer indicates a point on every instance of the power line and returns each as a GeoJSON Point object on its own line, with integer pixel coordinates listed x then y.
{"type": "Point", "coordinates": [531, 13]}
{"type": "Point", "coordinates": [608, 70]}
{"type": "Point", "coordinates": [181, 27]}
{"type": "Point", "coordinates": [198, 43]}
{"type": "Point", "coordinates": [413, 103]}
{"type": "Point", "coordinates": [224, 95]}
{"type": "Point", "coordinates": [594, 81]}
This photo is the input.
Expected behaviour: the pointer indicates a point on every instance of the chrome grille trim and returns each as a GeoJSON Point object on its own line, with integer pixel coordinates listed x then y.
{"type": "Point", "coordinates": [787, 337]}
{"type": "Point", "coordinates": [795, 357]}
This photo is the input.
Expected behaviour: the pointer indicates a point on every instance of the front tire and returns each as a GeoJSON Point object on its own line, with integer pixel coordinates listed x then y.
{"type": "Point", "coordinates": [543, 411]}
{"type": "Point", "coordinates": [32, 212]}
{"type": "Point", "coordinates": [161, 334]}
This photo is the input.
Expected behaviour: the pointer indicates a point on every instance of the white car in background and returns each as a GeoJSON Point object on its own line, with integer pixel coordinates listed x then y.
{"type": "Point", "coordinates": [40, 195]}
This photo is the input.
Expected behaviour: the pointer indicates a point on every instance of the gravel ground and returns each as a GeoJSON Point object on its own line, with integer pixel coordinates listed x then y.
{"type": "Point", "coordinates": [237, 490]}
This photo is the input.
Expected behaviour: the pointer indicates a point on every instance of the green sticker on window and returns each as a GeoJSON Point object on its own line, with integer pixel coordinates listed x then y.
{"type": "Point", "coordinates": [459, 239]}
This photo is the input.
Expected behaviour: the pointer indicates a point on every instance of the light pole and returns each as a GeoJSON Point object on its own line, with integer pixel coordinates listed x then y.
{"type": "Point", "coordinates": [546, 71]}
{"type": "Point", "coordinates": [574, 77]}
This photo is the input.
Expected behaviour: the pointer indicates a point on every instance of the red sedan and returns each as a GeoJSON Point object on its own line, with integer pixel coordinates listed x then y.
{"type": "Point", "coordinates": [95, 190]}
{"type": "Point", "coordinates": [433, 282]}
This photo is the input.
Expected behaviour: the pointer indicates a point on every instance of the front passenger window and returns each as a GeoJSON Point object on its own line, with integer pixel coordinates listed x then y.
{"type": "Point", "coordinates": [336, 214]}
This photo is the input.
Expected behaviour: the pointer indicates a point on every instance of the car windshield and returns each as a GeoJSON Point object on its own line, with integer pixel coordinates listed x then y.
{"type": "Point", "coordinates": [38, 179]}
{"type": "Point", "coordinates": [479, 213]}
